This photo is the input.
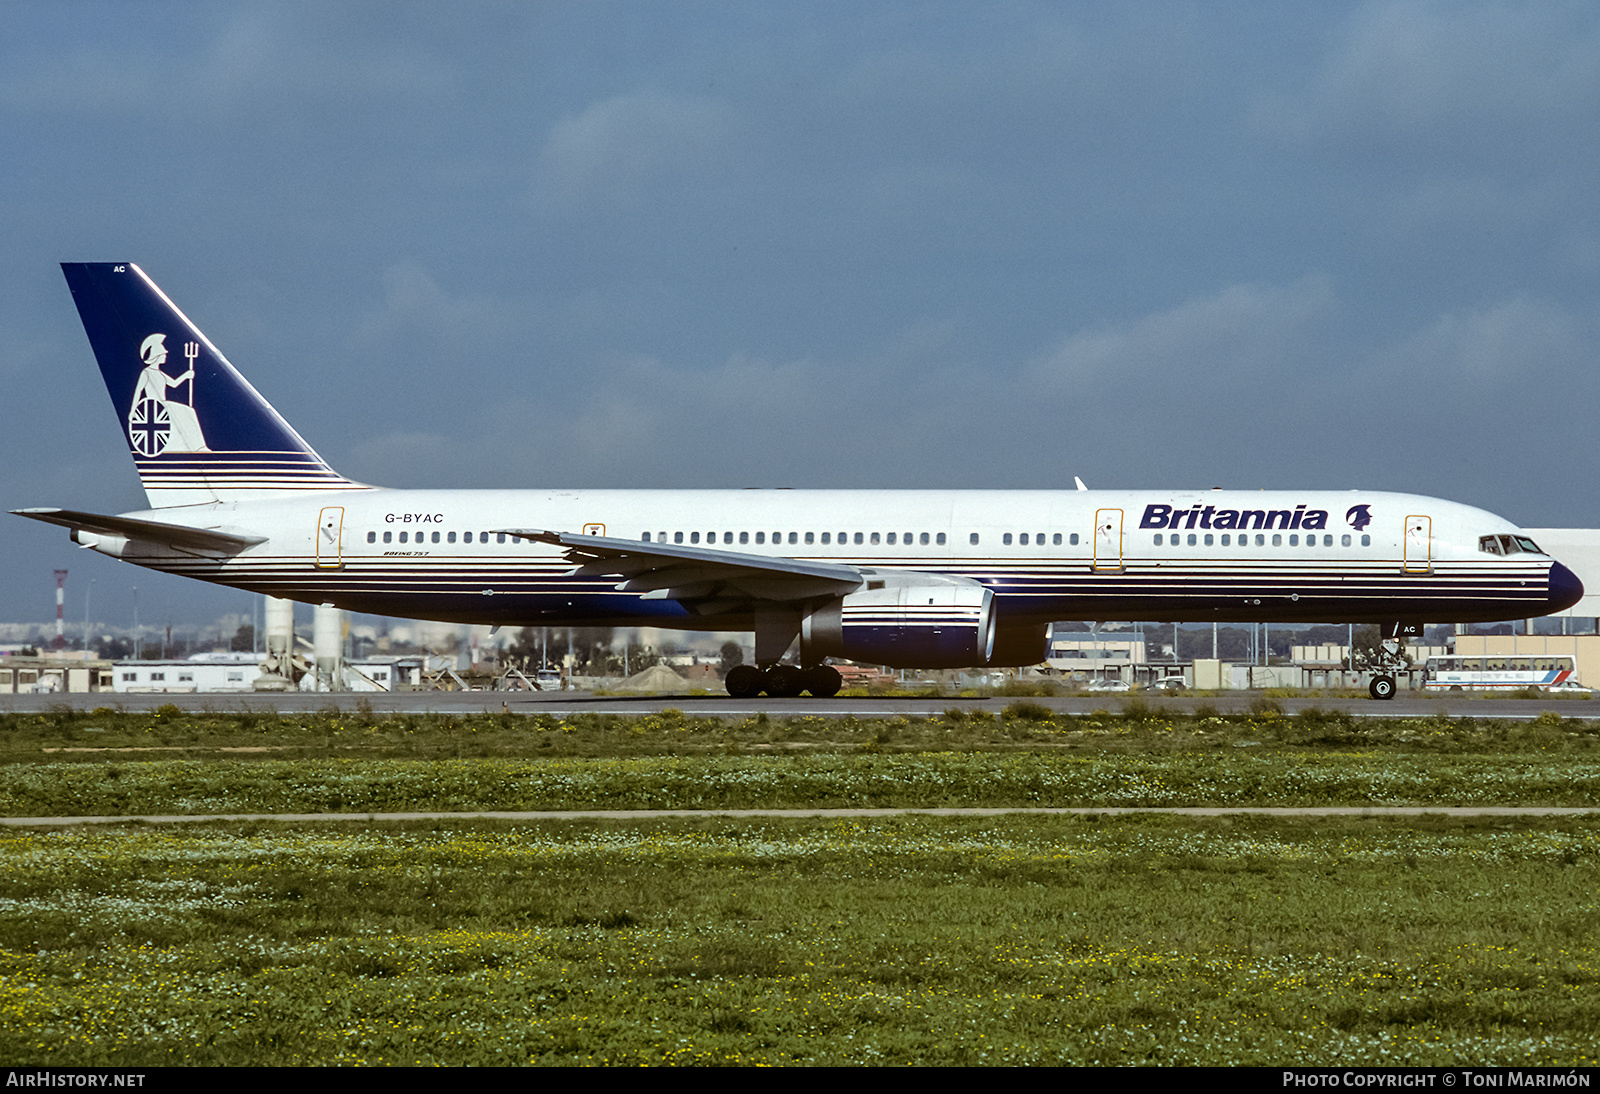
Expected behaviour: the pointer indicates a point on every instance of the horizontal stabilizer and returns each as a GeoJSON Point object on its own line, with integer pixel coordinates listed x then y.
{"type": "Point", "coordinates": [178, 536]}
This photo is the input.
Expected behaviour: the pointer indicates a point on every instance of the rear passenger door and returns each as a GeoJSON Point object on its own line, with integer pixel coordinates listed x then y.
{"type": "Point", "coordinates": [330, 538]}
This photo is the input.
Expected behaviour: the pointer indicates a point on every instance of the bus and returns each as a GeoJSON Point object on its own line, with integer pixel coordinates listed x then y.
{"type": "Point", "coordinates": [1496, 672]}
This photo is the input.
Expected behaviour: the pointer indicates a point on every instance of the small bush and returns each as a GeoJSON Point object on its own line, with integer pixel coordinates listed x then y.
{"type": "Point", "coordinates": [1316, 718]}
{"type": "Point", "coordinates": [1026, 711]}
{"type": "Point", "coordinates": [1263, 707]}
{"type": "Point", "coordinates": [1137, 709]}
{"type": "Point", "coordinates": [1027, 688]}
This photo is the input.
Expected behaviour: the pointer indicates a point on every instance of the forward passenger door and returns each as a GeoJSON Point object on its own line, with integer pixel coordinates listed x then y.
{"type": "Point", "coordinates": [1108, 539]}
{"type": "Point", "coordinates": [1419, 544]}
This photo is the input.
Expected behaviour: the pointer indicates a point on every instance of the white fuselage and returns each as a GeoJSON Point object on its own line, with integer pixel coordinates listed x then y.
{"type": "Point", "coordinates": [1046, 555]}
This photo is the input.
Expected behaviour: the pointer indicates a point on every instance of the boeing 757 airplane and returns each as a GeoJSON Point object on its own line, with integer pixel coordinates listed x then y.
{"type": "Point", "coordinates": [905, 578]}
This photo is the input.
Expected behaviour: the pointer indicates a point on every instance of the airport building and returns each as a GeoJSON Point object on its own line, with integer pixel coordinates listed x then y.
{"type": "Point", "coordinates": [243, 673]}
{"type": "Point", "coordinates": [72, 671]}
{"type": "Point", "coordinates": [204, 672]}
{"type": "Point", "coordinates": [1084, 656]}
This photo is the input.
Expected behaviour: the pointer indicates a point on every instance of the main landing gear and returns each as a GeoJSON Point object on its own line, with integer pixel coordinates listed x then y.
{"type": "Point", "coordinates": [783, 681]}
{"type": "Point", "coordinates": [1391, 658]}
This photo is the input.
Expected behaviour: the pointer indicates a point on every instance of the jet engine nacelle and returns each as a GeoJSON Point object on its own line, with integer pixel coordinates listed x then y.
{"type": "Point", "coordinates": [934, 626]}
{"type": "Point", "coordinates": [944, 625]}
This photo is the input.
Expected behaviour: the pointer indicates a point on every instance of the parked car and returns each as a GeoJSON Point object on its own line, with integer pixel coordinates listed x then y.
{"type": "Point", "coordinates": [1170, 683]}
{"type": "Point", "coordinates": [1570, 688]}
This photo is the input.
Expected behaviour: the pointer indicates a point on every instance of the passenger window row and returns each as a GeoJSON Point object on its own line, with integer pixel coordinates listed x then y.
{"type": "Point", "coordinates": [907, 539]}
{"type": "Point", "coordinates": [1489, 544]}
{"type": "Point", "coordinates": [859, 539]}
{"type": "Point", "coordinates": [448, 537]}
{"type": "Point", "coordinates": [1038, 539]}
{"type": "Point", "coordinates": [1196, 540]}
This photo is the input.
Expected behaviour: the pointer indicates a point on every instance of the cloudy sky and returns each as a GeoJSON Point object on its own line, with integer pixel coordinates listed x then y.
{"type": "Point", "coordinates": [841, 245]}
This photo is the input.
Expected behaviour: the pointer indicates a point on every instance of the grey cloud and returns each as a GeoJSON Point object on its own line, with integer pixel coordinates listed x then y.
{"type": "Point", "coordinates": [1516, 342]}
{"type": "Point", "coordinates": [1055, 64]}
{"type": "Point", "coordinates": [411, 459]}
{"type": "Point", "coordinates": [243, 61]}
{"type": "Point", "coordinates": [1242, 329]}
{"type": "Point", "coordinates": [892, 417]}
{"type": "Point", "coordinates": [420, 327]}
{"type": "Point", "coordinates": [612, 151]}
{"type": "Point", "coordinates": [21, 349]}
{"type": "Point", "coordinates": [1428, 78]}
{"type": "Point", "coordinates": [413, 301]}
{"type": "Point", "coordinates": [1484, 201]}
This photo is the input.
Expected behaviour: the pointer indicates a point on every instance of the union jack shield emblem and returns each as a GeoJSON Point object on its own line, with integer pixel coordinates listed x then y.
{"type": "Point", "coordinates": [149, 427]}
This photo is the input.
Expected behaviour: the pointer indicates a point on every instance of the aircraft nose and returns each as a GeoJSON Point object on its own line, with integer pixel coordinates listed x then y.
{"type": "Point", "coordinates": [1565, 589]}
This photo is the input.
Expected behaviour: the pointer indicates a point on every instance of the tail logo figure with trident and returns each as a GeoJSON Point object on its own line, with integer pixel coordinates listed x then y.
{"type": "Point", "coordinates": [157, 423]}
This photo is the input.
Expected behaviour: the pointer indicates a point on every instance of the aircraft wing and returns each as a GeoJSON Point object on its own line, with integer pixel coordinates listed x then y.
{"type": "Point", "coordinates": [698, 574]}
{"type": "Point", "coordinates": [177, 536]}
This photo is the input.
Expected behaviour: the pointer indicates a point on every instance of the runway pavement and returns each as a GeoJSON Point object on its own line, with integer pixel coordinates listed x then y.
{"type": "Point", "coordinates": [565, 703]}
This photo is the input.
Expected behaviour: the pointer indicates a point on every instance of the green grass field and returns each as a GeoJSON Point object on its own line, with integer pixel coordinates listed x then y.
{"type": "Point", "coordinates": [1024, 939]}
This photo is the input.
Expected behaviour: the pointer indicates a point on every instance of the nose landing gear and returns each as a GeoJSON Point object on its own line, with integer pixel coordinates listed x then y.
{"type": "Point", "coordinates": [1391, 658]}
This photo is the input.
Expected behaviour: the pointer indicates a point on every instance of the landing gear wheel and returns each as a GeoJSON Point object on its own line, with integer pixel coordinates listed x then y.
{"type": "Point", "coordinates": [744, 681]}
{"type": "Point", "coordinates": [1382, 687]}
{"type": "Point", "coordinates": [823, 681]}
{"type": "Point", "coordinates": [784, 682]}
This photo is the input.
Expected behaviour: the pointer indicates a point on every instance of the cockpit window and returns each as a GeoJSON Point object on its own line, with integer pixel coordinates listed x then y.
{"type": "Point", "coordinates": [1507, 545]}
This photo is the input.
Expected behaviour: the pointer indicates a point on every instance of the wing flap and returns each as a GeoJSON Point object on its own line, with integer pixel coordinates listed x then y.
{"type": "Point", "coordinates": [676, 572]}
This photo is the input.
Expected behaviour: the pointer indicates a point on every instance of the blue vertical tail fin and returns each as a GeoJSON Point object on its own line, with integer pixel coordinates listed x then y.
{"type": "Point", "coordinates": [196, 429]}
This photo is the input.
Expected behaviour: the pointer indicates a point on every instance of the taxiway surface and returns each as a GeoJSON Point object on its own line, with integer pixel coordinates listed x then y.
{"type": "Point", "coordinates": [564, 703]}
